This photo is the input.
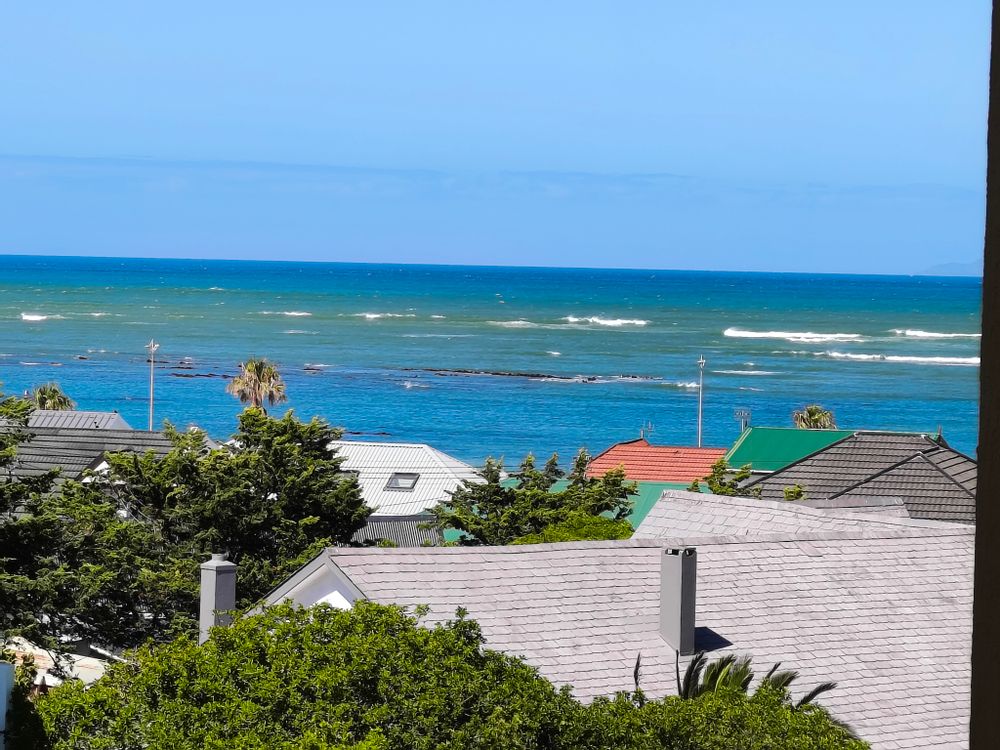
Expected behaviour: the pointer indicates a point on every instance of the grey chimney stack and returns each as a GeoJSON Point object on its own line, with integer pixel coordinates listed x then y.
{"type": "Point", "coordinates": [218, 594]}
{"type": "Point", "coordinates": [678, 583]}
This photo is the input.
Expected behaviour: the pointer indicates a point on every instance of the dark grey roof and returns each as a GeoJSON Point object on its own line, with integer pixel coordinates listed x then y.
{"type": "Point", "coordinates": [102, 420]}
{"type": "Point", "coordinates": [73, 449]}
{"type": "Point", "coordinates": [932, 480]}
{"type": "Point", "coordinates": [403, 531]}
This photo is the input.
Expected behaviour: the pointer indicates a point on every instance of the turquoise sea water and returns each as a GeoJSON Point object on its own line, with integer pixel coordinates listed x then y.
{"type": "Point", "coordinates": [376, 348]}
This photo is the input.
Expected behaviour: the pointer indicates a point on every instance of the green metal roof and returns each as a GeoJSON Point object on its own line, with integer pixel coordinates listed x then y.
{"type": "Point", "coordinates": [774, 448]}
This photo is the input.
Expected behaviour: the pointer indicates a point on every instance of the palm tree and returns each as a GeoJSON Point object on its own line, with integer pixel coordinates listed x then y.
{"type": "Point", "coordinates": [258, 381]}
{"type": "Point", "coordinates": [814, 417]}
{"type": "Point", "coordinates": [50, 396]}
{"type": "Point", "coordinates": [736, 673]}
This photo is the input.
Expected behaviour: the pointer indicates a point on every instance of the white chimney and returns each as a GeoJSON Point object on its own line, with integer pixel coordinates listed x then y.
{"type": "Point", "coordinates": [218, 594]}
{"type": "Point", "coordinates": [678, 582]}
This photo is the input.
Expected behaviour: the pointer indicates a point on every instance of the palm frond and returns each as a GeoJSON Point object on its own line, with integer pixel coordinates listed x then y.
{"type": "Point", "coordinates": [690, 686]}
{"type": "Point", "coordinates": [817, 691]}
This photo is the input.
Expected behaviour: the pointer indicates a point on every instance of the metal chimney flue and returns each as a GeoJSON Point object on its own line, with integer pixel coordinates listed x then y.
{"type": "Point", "coordinates": [218, 594]}
{"type": "Point", "coordinates": [678, 584]}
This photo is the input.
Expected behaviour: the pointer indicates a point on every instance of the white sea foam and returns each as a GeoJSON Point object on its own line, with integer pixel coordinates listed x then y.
{"type": "Point", "coordinates": [37, 317]}
{"type": "Point", "coordinates": [610, 322]}
{"type": "Point", "coordinates": [554, 354]}
{"type": "Point", "coordinates": [410, 384]}
{"type": "Point", "coordinates": [299, 332]}
{"type": "Point", "coordinates": [682, 384]}
{"type": "Point", "coordinates": [903, 359]}
{"type": "Point", "coordinates": [513, 323]}
{"type": "Point", "coordinates": [745, 372]}
{"type": "Point", "coordinates": [437, 317]}
{"type": "Point", "coordinates": [316, 365]}
{"type": "Point", "coordinates": [918, 334]}
{"type": "Point", "coordinates": [438, 335]}
{"type": "Point", "coordinates": [289, 313]}
{"type": "Point", "coordinates": [799, 337]}
{"type": "Point", "coordinates": [99, 314]}
{"type": "Point", "coordinates": [216, 289]}
{"type": "Point", "coordinates": [379, 316]}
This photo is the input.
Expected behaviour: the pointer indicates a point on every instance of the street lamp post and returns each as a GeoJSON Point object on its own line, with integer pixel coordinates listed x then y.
{"type": "Point", "coordinates": [701, 389]}
{"type": "Point", "coordinates": [152, 346]}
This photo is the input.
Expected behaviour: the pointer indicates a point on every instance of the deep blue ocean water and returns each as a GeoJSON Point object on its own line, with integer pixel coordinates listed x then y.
{"type": "Point", "coordinates": [374, 347]}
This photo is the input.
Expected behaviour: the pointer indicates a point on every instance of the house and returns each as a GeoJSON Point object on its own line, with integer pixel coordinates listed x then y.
{"type": "Point", "coordinates": [401, 482]}
{"type": "Point", "coordinates": [73, 450]}
{"type": "Point", "coordinates": [645, 462]}
{"type": "Point", "coordinates": [930, 479]}
{"type": "Point", "coordinates": [96, 420]}
{"type": "Point", "coordinates": [880, 605]}
{"type": "Point", "coordinates": [768, 449]}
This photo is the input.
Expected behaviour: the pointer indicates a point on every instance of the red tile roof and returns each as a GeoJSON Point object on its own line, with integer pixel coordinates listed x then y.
{"type": "Point", "coordinates": [656, 463]}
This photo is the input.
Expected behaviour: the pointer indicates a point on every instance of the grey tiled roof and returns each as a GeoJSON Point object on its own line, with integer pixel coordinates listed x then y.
{"type": "Point", "coordinates": [403, 531]}
{"type": "Point", "coordinates": [72, 449]}
{"type": "Point", "coordinates": [933, 481]}
{"type": "Point", "coordinates": [679, 513]}
{"type": "Point", "coordinates": [882, 608]}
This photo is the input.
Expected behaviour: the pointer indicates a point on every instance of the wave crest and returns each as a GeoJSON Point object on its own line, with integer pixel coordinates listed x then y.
{"type": "Point", "coordinates": [918, 334]}
{"type": "Point", "coordinates": [799, 337]}
{"type": "Point", "coordinates": [903, 359]}
{"type": "Point", "coordinates": [610, 322]}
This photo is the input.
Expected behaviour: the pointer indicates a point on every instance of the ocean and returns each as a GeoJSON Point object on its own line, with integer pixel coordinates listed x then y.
{"type": "Point", "coordinates": [498, 361]}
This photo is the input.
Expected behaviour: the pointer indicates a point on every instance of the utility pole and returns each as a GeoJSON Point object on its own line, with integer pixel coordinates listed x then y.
{"type": "Point", "coordinates": [152, 346]}
{"type": "Point", "coordinates": [701, 389]}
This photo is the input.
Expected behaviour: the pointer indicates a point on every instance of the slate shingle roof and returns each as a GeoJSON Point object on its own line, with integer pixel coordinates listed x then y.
{"type": "Point", "coordinates": [885, 610]}
{"type": "Point", "coordinates": [687, 514]}
{"type": "Point", "coordinates": [72, 449]}
{"type": "Point", "coordinates": [656, 463]}
{"type": "Point", "coordinates": [376, 462]}
{"type": "Point", "coordinates": [934, 481]}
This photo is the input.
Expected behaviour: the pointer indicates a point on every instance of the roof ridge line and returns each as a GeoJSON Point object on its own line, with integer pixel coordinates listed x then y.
{"type": "Point", "coordinates": [806, 457]}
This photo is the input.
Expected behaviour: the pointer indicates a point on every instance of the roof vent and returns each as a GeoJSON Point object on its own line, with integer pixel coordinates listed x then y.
{"type": "Point", "coordinates": [678, 583]}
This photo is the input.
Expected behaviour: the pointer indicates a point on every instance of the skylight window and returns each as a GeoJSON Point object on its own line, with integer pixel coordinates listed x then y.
{"type": "Point", "coordinates": [402, 482]}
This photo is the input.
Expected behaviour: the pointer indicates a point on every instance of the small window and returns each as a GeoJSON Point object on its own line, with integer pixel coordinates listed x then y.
{"type": "Point", "coordinates": [402, 482]}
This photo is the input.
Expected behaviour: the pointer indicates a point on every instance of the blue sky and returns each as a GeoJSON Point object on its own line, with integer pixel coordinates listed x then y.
{"type": "Point", "coordinates": [764, 136]}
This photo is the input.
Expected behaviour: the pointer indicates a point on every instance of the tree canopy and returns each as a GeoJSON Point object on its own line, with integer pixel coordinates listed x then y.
{"type": "Point", "coordinates": [51, 396]}
{"type": "Point", "coordinates": [373, 678]}
{"type": "Point", "coordinates": [493, 512]}
{"type": "Point", "coordinates": [114, 560]}
{"type": "Point", "coordinates": [258, 381]}
{"type": "Point", "coordinates": [814, 417]}
{"type": "Point", "coordinates": [725, 480]}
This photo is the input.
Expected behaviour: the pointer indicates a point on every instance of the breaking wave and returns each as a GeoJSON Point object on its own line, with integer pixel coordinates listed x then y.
{"type": "Point", "coordinates": [904, 359]}
{"type": "Point", "coordinates": [513, 323]}
{"type": "Point", "coordinates": [298, 332]}
{"type": "Point", "coordinates": [746, 372]}
{"type": "Point", "coordinates": [289, 313]}
{"type": "Point", "coordinates": [379, 316]}
{"type": "Point", "coordinates": [37, 317]}
{"type": "Point", "coordinates": [918, 334]}
{"type": "Point", "coordinates": [610, 322]}
{"type": "Point", "coordinates": [799, 337]}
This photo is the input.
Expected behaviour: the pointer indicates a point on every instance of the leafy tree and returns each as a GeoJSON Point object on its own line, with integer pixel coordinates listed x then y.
{"type": "Point", "coordinates": [51, 396]}
{"type": "Point", "coordinates": [371, 677]}
{"type": "Point", "coordinates": [723, 480]}
{"type": "Point", "coordinates": [795, 492]}
{"type": "Point", "coordinates": [114, 560]}
{"type": "Point", "coordinates": [580, 527]}
{"type": "Point", "coordinates": [258, 381]}
{"type": "Point", "coordinates": [814, 417]}
{"type": "Point", "coordinates": [490, 512]}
